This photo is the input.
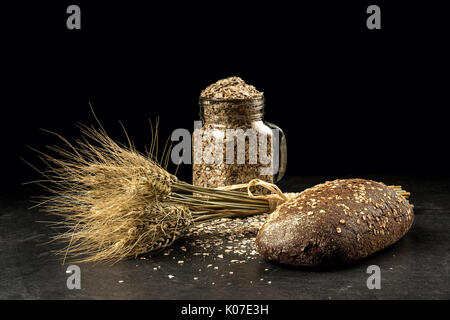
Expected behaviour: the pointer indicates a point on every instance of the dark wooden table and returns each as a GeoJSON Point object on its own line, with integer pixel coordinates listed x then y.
{"type": "Point", "coordinates": [417, 267]}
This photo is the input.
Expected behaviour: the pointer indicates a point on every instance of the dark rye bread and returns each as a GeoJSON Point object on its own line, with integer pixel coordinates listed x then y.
{"type": "Point", "coordinates": [335, 223]}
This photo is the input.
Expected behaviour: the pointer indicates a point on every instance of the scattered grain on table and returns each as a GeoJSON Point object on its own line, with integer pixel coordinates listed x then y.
{"type": "Point", "coordinates": [229, 240]}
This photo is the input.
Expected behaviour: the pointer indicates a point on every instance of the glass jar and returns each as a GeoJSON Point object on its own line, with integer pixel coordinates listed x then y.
{"type": "Point", "coordinates": [234, 144]}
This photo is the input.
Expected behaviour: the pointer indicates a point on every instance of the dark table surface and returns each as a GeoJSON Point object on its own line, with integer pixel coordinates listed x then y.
{"type": "Point", "coordinates": [416, 267]}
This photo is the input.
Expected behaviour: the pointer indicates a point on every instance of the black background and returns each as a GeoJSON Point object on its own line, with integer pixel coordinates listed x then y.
{"type": "Point", "coordinates": [350, 100]}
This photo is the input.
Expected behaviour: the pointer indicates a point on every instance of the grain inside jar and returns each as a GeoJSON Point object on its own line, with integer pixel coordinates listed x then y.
{"type": "Point", "coordinates": [234, 144]}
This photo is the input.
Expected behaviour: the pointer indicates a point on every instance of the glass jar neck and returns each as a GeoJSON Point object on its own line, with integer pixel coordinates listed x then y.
{"type": "Point", "coordinates": [231, 113]}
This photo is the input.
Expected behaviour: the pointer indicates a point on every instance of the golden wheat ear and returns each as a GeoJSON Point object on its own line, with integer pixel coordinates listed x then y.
{"type": "Point", "coordinates": [102, 191]}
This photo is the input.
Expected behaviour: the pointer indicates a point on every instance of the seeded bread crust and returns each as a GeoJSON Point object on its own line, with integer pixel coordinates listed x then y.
{"type": "Point", "coordinates": [335, 223]}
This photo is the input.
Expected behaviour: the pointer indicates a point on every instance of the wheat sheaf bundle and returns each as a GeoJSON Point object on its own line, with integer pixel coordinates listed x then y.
{"type": "Point", "coordinates": [115, 202]}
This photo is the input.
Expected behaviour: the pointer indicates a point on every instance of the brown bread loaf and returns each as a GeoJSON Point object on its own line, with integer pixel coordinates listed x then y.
{"type": "Point", "coordinates": [335, 223]}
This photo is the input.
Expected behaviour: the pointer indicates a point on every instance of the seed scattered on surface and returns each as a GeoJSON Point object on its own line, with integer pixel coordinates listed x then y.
{"type": "Point", "coordinates": [170, 276]}
{"type": "Point", "coordinates": [338, 230]}
{"type": "Point", "coordinates": [310, 213]}
{"type": "Point", "coordinates": [195, 278]}
{"type": "Point", "coordinates": [120, 281]}
{"type": "Point", "coordinates": [180, 262]}
{"type": "Point", "coordinates": [342, 221]}
{"type": "Point", "coordinates": [236, 235]}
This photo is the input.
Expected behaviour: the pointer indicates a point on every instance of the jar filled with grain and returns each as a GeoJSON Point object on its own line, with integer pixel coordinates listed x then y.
{"type": "Point", "coordinates": [233, 144]}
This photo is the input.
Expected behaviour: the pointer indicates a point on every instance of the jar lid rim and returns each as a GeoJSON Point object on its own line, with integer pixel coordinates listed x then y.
{"type": "Point", "coordinates": [256, 98]}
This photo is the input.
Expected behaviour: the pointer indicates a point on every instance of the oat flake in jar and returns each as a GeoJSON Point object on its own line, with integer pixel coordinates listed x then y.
{"type": "Point", "coordinates": [234, 144]}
